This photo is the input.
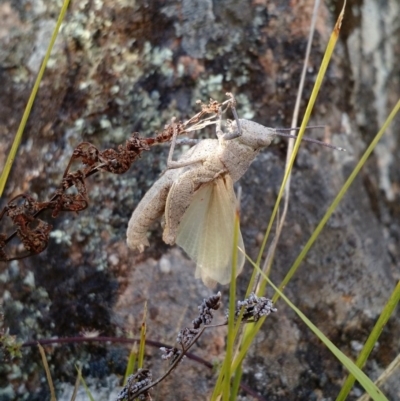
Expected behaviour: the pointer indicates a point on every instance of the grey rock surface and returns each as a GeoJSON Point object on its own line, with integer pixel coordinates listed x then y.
{"type": "Point", "coordinates": [121, 66]}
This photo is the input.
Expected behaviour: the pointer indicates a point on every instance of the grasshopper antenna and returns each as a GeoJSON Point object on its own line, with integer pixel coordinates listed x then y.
{"type": "Point", "coordinates": [328, 145]}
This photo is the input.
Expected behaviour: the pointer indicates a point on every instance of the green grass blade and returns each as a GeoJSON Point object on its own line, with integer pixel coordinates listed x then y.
{"type": "Point", "coordinates": [142, 344]}
{"type": "Point", "coordinates": [321, 73]}
{"type": "Point", "coordinates": [17, 140]}
{"type": "Point", "coordinates": [130, 367]}
{"type": "Point", "coordinates": [232, 306]}
{"type": "Point", "coordinates": [88, 393]}
{"type": "Point", "coordinates": [394, 365]}
{"type": "Point", "coordinates": [338, 198]}
{"type": "Point", "coordinates": [251, 330]}
{"type": "Point", "coordinates": [77, 382]}
{"type": "Point", "coordinates": [222, 386]}
{"type": "Point", "coordinates": [48, 374]}
{"type": "Point", "coordinates": [372, 339]}
{"type": "Point", "coordinates": [236, 383]}
{"type": "Point", "coordinates": [218, 388]}
{"type": "Point", "coordinates": [373, 391]}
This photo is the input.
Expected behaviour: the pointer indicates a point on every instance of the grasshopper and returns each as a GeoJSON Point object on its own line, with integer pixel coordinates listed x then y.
{"type": "Point", "coordinates": [197, 199]}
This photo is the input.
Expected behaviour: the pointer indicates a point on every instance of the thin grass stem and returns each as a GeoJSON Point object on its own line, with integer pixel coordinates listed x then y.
{"type": "Point", "coordinates": [48, 374]}
{"type": "Point", "coordinates": [18, 137]}
{"type": "Point", "coordinates": [372, 340]}
{"type": "Point", "coordinates": [142, 344]}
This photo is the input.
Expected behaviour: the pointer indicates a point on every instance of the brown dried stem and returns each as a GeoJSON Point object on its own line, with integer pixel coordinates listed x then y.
{"type": "Point", "coordinates": [34, 233]}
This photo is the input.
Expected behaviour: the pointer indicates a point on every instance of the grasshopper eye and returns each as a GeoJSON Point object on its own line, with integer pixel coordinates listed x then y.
{"type": "Point", "coordinates": [196, 193]}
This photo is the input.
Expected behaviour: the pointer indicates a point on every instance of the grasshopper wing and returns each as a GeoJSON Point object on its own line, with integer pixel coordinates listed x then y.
{"type": "Point", "coordinates": [206, 231]}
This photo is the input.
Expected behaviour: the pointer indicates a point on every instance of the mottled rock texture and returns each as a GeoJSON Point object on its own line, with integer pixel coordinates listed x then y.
{"type": "Point", "coordinates": [124, 66]}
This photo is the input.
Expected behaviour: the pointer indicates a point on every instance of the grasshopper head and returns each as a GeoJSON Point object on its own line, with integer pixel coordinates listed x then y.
{"type": "Point", "coordinates": [253, 134]}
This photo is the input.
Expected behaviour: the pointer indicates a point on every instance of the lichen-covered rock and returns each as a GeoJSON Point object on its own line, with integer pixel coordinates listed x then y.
{"type": "Point", "coordinates": [123, 66]}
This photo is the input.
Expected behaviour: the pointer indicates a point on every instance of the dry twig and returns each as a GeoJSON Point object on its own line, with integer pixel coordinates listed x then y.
{"type": "Point", "coordinates": [23, 211]}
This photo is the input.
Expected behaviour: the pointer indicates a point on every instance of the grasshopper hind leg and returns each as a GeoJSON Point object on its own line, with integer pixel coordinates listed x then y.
{"type": "Point", "coordinates": [149, 210]}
